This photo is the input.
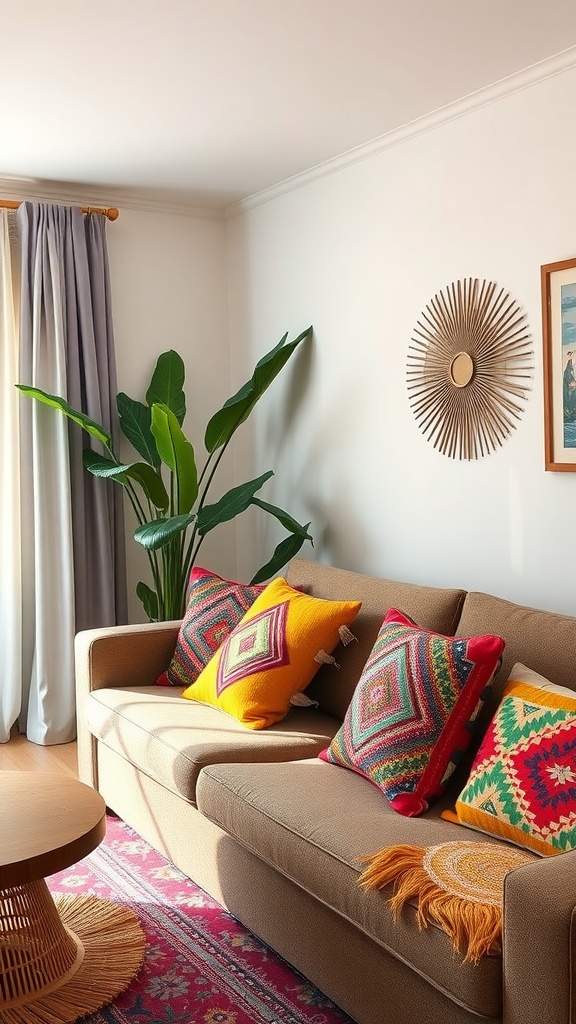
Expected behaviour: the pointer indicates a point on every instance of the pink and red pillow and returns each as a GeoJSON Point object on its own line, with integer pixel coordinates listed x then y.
{"type": "Point", "coordinates": [215, 607]}
{"type": "Point", "coordinates": [411, 716]}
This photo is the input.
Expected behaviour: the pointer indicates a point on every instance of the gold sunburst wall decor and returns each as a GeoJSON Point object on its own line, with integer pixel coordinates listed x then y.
{"type": "Point", "coordinates": [469, 367]}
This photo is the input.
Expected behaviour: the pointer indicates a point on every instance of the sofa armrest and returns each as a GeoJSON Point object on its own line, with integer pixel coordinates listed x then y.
{"type": "Point", "coordinates": [123, 655]}
{"type": "Point", "coordinates": [539, 930]}
{"type": "Point", "coordinates": [116, 656]}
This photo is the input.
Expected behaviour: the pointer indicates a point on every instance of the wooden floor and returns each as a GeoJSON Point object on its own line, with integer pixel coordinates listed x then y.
{"type": "Point", "coordinates": [19, 754]}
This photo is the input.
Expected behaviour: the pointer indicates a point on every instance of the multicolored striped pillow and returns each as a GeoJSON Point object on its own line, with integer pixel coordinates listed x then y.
{"type": "Point", "coordinates": [215, 607]}
{"type": "Point", "coordinates": [412, 713]}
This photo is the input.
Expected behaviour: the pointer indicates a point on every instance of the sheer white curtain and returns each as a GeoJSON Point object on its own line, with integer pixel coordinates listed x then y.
{"type": "Point", "coordinates": [48, 702]}
{"type": "Point", "coordinates": [10, 534]}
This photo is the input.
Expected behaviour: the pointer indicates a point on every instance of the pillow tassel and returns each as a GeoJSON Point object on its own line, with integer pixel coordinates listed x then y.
{"type": "Point", "coordinates": [346, 635]}
{"type": "Point", "coordinates": [300, 700]}
{"type": "Point", "coordinates": [473, 927]}
{"type": "Point", "coordinates": [325, 659]}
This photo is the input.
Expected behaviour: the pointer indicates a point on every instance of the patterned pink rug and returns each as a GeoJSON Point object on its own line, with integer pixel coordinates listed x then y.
{"type": "Point", "coordinates": [201, 965]}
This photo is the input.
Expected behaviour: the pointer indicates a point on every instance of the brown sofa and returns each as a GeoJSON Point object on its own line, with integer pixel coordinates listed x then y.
{"type": "Point", "coordinates": [273, 832]}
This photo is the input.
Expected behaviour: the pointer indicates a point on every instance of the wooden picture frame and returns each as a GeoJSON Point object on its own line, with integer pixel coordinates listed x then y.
{"type": "Point", "coordinates": [558, 282]}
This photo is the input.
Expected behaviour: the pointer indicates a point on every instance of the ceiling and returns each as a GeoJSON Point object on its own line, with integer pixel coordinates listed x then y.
{"type": "Point", "coordinates": [210, 101]}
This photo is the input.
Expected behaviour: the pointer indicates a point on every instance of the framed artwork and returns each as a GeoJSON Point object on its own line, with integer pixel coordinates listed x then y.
{"type": "Point", "coordinates": [559, 337]}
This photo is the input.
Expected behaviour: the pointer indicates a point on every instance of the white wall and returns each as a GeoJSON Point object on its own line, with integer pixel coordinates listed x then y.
{"type": "Point", "coordinates": [359, 253]}
{"type": "Point", "coordinates": [169, 290]}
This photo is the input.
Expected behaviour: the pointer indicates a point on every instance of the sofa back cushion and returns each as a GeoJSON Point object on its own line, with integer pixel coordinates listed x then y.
{"type": "Point", "coordinates": [435, 608]}
{"type": "Point", "coordinates": [544, 641]}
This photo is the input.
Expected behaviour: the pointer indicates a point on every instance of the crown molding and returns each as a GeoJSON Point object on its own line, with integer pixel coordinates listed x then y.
{"type": "Point", "coordinates": [216, 208]}
{"type": "Point", "coordinates": [536, 73]}
{"type": "Point", "coordinates": [85, 195]}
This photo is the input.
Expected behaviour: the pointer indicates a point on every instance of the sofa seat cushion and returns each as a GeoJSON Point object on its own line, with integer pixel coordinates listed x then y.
{"type": "Point", "coordinates": [311, 821]}
{"type": "Point", "coordinates": [171, 739]}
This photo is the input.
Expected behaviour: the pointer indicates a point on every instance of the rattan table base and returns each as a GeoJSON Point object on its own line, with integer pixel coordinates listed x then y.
{"type": "Point", "coordinates": [60, 960]}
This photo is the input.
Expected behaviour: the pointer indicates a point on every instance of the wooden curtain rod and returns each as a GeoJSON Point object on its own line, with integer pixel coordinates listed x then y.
{"type": "Point", "coordinates": [110, 212]}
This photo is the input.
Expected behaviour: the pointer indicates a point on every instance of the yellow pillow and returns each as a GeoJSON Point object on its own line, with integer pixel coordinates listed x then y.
{"type": "Point", "coordinates": [270, 654]}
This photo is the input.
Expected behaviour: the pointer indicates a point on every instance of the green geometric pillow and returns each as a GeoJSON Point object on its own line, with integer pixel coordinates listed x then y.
{"type": "Point", "coordinates": [522, 784]}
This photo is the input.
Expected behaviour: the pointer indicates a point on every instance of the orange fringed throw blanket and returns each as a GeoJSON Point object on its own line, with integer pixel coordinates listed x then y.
{"type": "Point", "coordinates": [459, 886]}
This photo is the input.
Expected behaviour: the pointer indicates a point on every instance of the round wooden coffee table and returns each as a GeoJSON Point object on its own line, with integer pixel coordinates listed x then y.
{"type": "Point", "coordinates": [50, 950]}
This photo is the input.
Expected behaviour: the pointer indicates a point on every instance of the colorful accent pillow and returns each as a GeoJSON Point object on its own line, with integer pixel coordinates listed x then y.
{"type": "Point", "coordinates": [271, 653]}
{"type": "Point", "coordinates": [522, 785]}
{"type": "Point", "coordinates": [215, 607]}
{"type": "Point", "coordinates": [412, 713]}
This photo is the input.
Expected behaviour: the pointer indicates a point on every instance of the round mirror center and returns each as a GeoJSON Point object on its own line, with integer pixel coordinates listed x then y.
{"type": "Point", "coordinates": [461, 369]}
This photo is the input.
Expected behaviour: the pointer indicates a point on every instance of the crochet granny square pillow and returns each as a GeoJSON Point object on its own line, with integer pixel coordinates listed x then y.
{"type": "Point", "coordinates": [215, 607]}
{"type": "Point", "coordinates": [411, 716]}
{"type": "Point", "coordinates": [272, 654]}
{"type": "Point", "coordinates": [522, 785]}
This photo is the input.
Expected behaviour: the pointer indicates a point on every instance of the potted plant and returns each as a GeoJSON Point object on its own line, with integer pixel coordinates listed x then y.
{"type": "Point", "coordinates": [168, 492]}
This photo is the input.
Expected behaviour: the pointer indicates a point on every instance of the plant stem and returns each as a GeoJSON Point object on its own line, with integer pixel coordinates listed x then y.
{"type": "Point", "coordinates": [212, 472]}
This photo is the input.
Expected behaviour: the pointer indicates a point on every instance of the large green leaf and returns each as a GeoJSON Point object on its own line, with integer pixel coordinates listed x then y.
{"type": "Point", "coordinates": [135, 420]}
{"type": "Point", "coordinates": [100, 465]}
{"type": "Point", "coordinates": [55, 402]}
{"type": "Point", "coordinates": [287, 521]}
{"type": "Point", "coordinates": [150, 481]}
{"type": "Point", "coordinates": [237, 409]}
{"type": "Point", "coordinates": [149, 599]}
{"type": "Point", "coordinates": [166, 386]}
{"type": "Point", "coordinates": [177, 453]}
{"type": "Point", "coordinates": [284, 551]}
{"type": "Point", "coordinates": [160, 532]}
{"type": "Point", "coordinates": [230, 505]}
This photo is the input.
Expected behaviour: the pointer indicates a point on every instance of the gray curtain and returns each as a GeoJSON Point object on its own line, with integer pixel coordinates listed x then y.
{"type": "Point", "coordinates": [97, 511]}
{"type": "Point", "coordinates": [73, 536]}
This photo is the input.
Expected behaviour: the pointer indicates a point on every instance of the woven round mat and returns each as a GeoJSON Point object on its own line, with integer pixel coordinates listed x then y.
{"type": "Point", "coordinates": [473, 871]}
{"type": "Point", "coordinates": [458, 886]}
